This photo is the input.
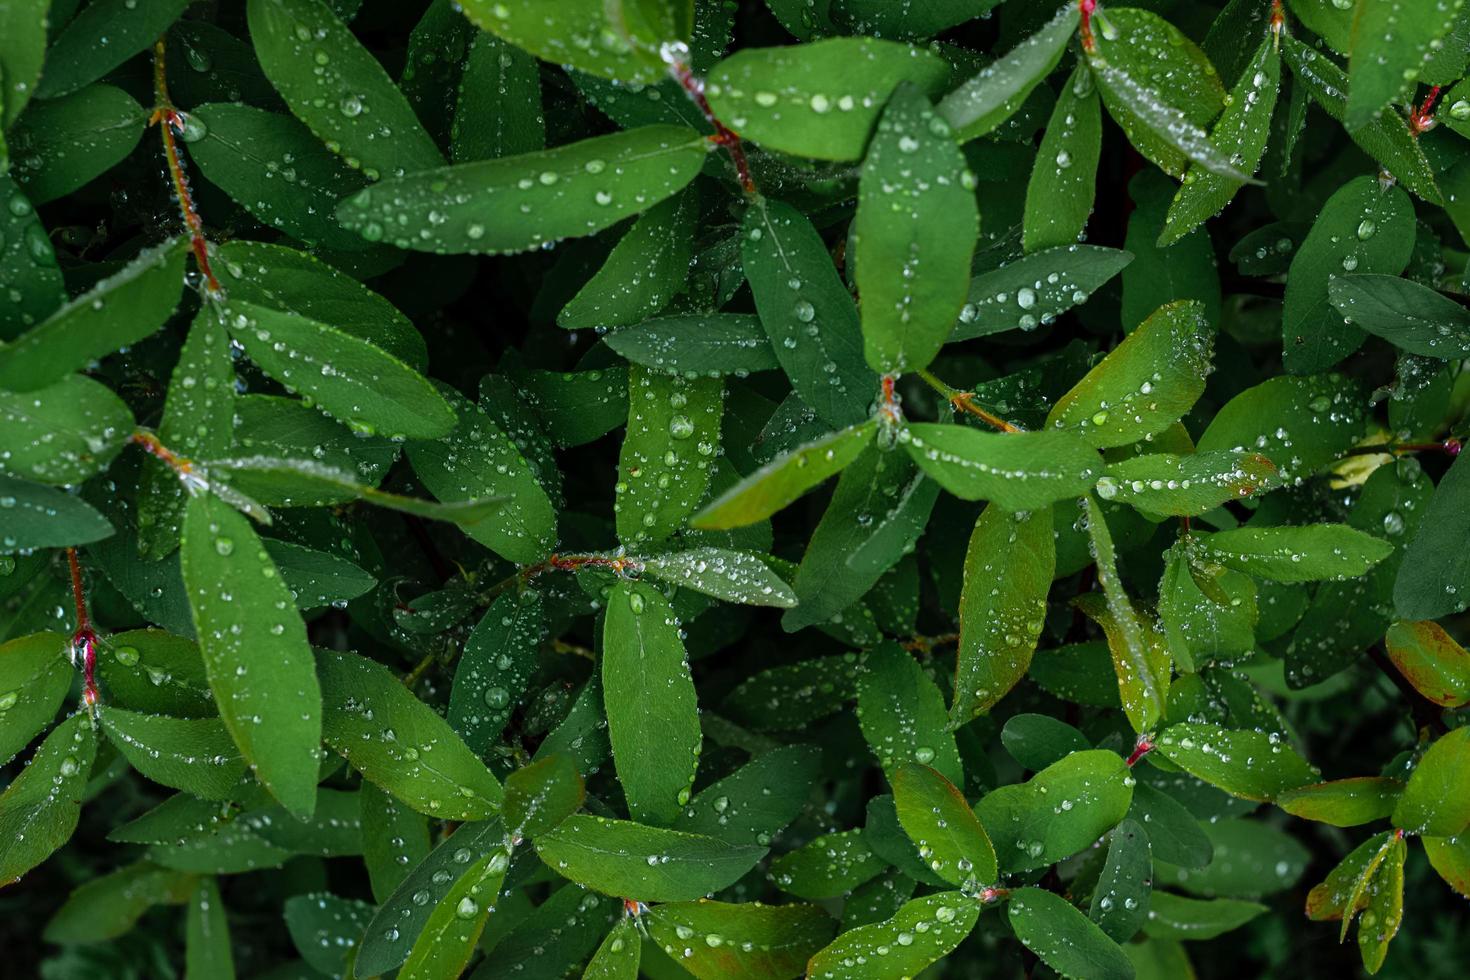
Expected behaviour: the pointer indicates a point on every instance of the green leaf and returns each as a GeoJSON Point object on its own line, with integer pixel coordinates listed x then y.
{"type": "Point", "coordinates": [541, 795]}
{"type": "Point", "coordinates": [400, 743]}
{"type": "Point", "coordinates": [1363, 227]}
{"type": "Point", "coordinates": [34, 680]}
{"type": "Point", "coordinates": [648, 266]}
{"type": "Point", "coordinates": [734, 576]}
{"type": "Point", "coordinates": [829, 866]}
{"type": "Point", "coordinates": [63, 433]}
{"type": "Point", "coordinates": [1343, 802]}
{"type": "Point", "coordinates": [1340, 895]}
{"type": "Point", "coordinates": [450, 936]}
{"type": "Point", "coordinates": [1177, 917]}
{"type": "Point", "coordinates": [110, 905]}
{"type": "Point", "coordinates": [1408, 315]}
{"type": "Point", "coordinates": [325, 929]}
{"type": "Point", "coordinates": [229, 848]}
{"type": "Point", "coordinates": [1255, 859]}
{"type": "Point", "coordinates": [394, 839]}
{"type": "Point", "coordinates": [1145, 384]}
{"type": "Point", "coordinates": [1299, 424]}
{"type": "Point", "coordinates": [1008, 570]}
{"type": "Point", "coordinates": [23, 48]}
{"type": "Point", "coordinates": [1296, 554]}
{"type": "Point", "coordinates": [922, 931]}
{"type": "Point", "coordinates": [938, 819]}
{"type": "Point", "coordinates": [1163, 274]}
{"type": "Point", "coordinates": [618, 40]}
{"type": "Point", "coordinates": [664, 466]}
{"type": "Point", "coordinates": [153, 671]}
{"type": "Point", "coordinates": [1060, 193]}
{"type": "Point", "coordinates": [1161, 89]}
{"type": "Point", "coordinates": [27, 257]}
{"type": "Point", "coordinates": [1435, 803]}
{"type": "Point", "coordinates": [63, 144]}
{"type": "Point", "coordinates": [1437, 666]}
{"type": "Point", "coordinates": [1064, 938]}
{"type": "Point", "coordinates": [496, 667]}
{"type": "Point", "coordinates": [1031, 828]}
{"type": "Point", "coordinates": [652, 712]}
{"type": "Point", "coordinates": [1016, 471]}
{"type": "Point", "coordinates": [255, 650]}
{"type": "Point", "coordinates": [207, 950]}
{"type": "Point", "coordinates": [1121, 899]}
{"type": "Point", "coordinates": [523, 202]}
{"type": "Point", "coordinates": [1241, 132]}
{"type": "Point", "coordinates": [102, 37]}
{"type": "Point", "coordinates": [352, 379]}
{"type": "Point", "coordinates": [335, 85]}
{"type": "Point", "coordinates": [619, 956]}
{"type": "Point", "coordinates": [1173, 831]}
{"type": "Point", "coordinates": [44, 517]}
{"type": "Point", "coordinates": [40, 808]}
{"type": "Point", "coordinates": [808, 313]}
{"type": "Point", "coordinates": [248, 153]}
{"type": "Point", "coordinates": [498, 113]}
{"type": "Point", "coordinates": [1385, 910]}
{"type": "Point", "coordinates": [714, 344]}
{"type": "Point", "coordinates": [817, 100]}
{"type": "Point", "coordinates": [1392, 42]}
{"type": "Point", "coordinates": [1450, 856]}
{"type": "Point", "coordinates": [912, 237]}
{"type": "Point", "coordinates": [990, 98]}
{"type": "Point", "coordinates": [1386, 138]}
{"type": "Point", "coordinates": [192, 754]}
{"type": "Point", "coordinates": [477, 460]}
{"type": "Point", "coordinates": [1036, 288]}
{"type": "Point", "coordinates": [902, 714]}
{"type": "Point", "coordinates": [785, 478]}
{"type": "Point", "coordinates": [748, 941]}
{"type": "Point", "coordinates": [117, 312]}
{"type": "Point", "coordinates": [1206, 611]}
{"type": "Point", "coordinates": [1252, 765]}
{"type": "Point", "coordinates": [877, 513]}
{"type": "Point", "coordinates": [756, 801]}
{"type": "Point", "coordinates": [389, 937]}
{"type": "Point", "coordinates": [1140, 654]}
{"type": "Point", "coordinates": [793, 695]}
{"type": "Point", "coordinates": [613, 857]}
{"type": "Point", "coordinates": [1434, 579]}
{"type": "Point", "coordinates": [1170, 485]}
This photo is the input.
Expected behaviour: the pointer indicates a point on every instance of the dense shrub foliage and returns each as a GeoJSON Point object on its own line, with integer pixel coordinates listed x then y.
{"type": "Point", "coordinates": [849, 489]}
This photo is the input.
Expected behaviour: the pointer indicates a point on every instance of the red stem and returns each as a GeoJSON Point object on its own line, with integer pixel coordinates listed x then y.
{"type": "Point", "coordinates": [85, 638]}
{"type": "Point", "coordinates": [173, 121]}
{"type": "Point", "coordinates": [1087, 7]}
{"type": "Point", "coordinates": [1422, 119]}
{"type": "Point", "coordinates": [1143, 748]}
{"type": "Point", "coordinates": [158, 450]}
{"type": "Point", "coordinates": [694, 87]}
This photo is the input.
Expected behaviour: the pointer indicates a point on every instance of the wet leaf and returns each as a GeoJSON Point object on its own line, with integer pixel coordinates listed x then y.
{"type": "Point", "coordinates": [496, 667]}
{"type": "Point", "coordinates": [618, 40]}
{"type": "Point", "coordinates": [1296, 554]}
{"type": "Point", "coordinates": [1064, 938]}
{"type": "Point", "coordinates": [748, 941]}
{"type": "Point", "coordinates": [1434, 802]}
{"type": "Point", "coordinates": [38, 516]}
{"type": "Point", "coordinates": [921, 932]}
{"type": "Point", "coordinates": [449, 937]}
{"type": "Point", "coordinates": [196, 755]}
{"type": "Point", "coordinates": [720, 343]}
{"type": "Point", "coordinates": [60, 145]}
{"type": "Point", "coordinates": [664, 466]}
{"type": "Point", "coordinates": [1170, 485]}
{"type": "Point", "coordinates": [1059, 811]}
{"type": "Point", "coordinates": [1299, 424]}
{"type": "Point", "coordinates": [34, 680]}
{"type": "Point", "coordinates": [1343, 802]}
{"type": "Point", "coordinates": [1408, 315]}
{"type": "Point", "coordinates": [756, 801]}
{"type": "Point", "coordinates": [40, 808]}
{"type": "Point", "coordinates": [648, 266]}
{"type": "Point", "coordinates": [1060, 194]}
{"type": "Point", "coordinates": [993, 96]}
{"type": "Point", "coordinates": [784, 479]}
{"type": "Point", "coordinates": [1017, 471]}
{"type": "Point", "coordinates": [1437, 666]}
{"type": "Point", "coordinates": [1252, 765]}
{"type": "Point", "coordinates": [938, 819]}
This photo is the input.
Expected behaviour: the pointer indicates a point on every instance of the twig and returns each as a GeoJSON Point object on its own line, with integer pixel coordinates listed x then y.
{"type": "Point", "coordinates": [85, 638]}
{"type": "Point", "coordinates": [965, 402]}
{"type": "Point", "coordinates": [172, 122]}
{"type": "Point", "coordinates": [693, 86]}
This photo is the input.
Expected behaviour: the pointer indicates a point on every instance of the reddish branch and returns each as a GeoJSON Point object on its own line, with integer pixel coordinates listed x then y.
{"type": "Point", "coordinates": [694, 87]}
{"type": "Point", "coordinates": [1422, 119]}
{"type": "Point", "coordinates": [84, 640]}
{"type": "Point", "coordinates": [1087, 7]}
{"type": "Point", "coordinates": [172, 126]}
{"type": "Point", "coordinates": [159, 451]}
{"type": "Point", "coordinates": [1141, 749]}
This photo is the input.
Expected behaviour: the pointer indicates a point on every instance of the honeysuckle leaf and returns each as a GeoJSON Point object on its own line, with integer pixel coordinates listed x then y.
{"type": "Point", "coordinates": [1343, 802]}
{"type": "Point", "coordinates": [1252, 765]}
{"type": "Point", "coordinates": [110, 905]}
{"type": "Point", "coordinates": [1171, 485]}
{"type": "Point", "coordinates": [1296, 554]}
{"type": "Point", "coordinates": [818, 100]}
{"type": "Point", "coordinates": [40, 808]}
{"type": "Point", "coordinates": [27, 261]}
{"type": "Point", "coordinates": [60, 145]}
{"type": "Point", "coordinates": [521, 202]}
{"type": "Point", "coordinates": [724, 941]}
{"type": "Point", "coordinates": [1145, 384]}
{"type": "Point", "coordinates": [1391, 44]}
{"type": "Point", "coordinates": [1430, 659]}
{"type": "Point", "coordinates": [1299, 424]}
{"type": "Point", "coordinates": [400, 743]}
{"type": "Point", "coordinates": [1016, 471]}
{"type": "Point", "coordinates": [647, 267]}
{"type": "Point", "coordinates": [334, 85]}
{"type": "Point", "coordinates": [255, 651]}
{"type": "Point", "coordinates": [912, 236]}
{"type": "Point", "coordinates": [1121, 899]}
{"type": "Point", "coordinates": [720, 343]}
{"type": "Point", "coordinates": [808, 313]}
{"type": "Point", "coordinates": [1036, 288]}
{"type": "Point", "coordinates": [619, 40]}
{"type": "Point", "coordinates": [119, 310]}
{"type": "Point", "coordinates": [38, 516]}
{"type": "Point", "coordinates": [1176, 917]}
{"type": "Point", "coordinates": [1036, 741]}
{"type": "Point", "coordinates": [652, 712]}
{"type": "Point", "coordinates": [496, 667]}
{"type": "Point", "coordinates": [23, 26]}
{"type": "Point", "coordinates": [450, 936]}
{"type": "Point", "coordinates": [1408, 315]}
{"type": "Point", "coordinates": [34, 679]}
{"type": "Point", "coordinates": [938, 819]}
{"type": "Point", "coordinates": [1009, 566]}
{"type": "Point", "coordinates": [1060, 194]}
{"type": "Point", "coordinates": [921, 932]}
{"type": "Point", "coordinates": [612, 857]}
{"type": "Point", "coordinates": [196, 755]}
{"type": "Point", "coordinates": [756, 801]}
{"type": "Point", "coordinates": [62, 433]}
{"type": "Point", "coordinates": [1029, 823]}
{"type": "Point", "coordinates": [499, 111]}
{"type": "Point", "coordinates": [619, 956]}
{"type": "Point", "coordinates": [664, 466]}
{"type": "Point", "coordinates": [991, 97]}
{"type": "Point", "coordinates": [1434, 579]}
{"type": "Point", "coordinates": [1064, 938]}
{"type": "Point", "coordinates": [734, 576]}
{"type": "Point", "coordinates": [793, 695]}
{"type": "Point", "coordinates": [785, 478]}
{"type": "Point", "coordinates": [1433, 803]}
{"type": "Point", "coordinates": [325, 929]}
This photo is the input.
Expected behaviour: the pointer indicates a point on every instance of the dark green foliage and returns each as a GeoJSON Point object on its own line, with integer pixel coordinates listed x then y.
{"type": "Point", "coordinates": [734, 489]}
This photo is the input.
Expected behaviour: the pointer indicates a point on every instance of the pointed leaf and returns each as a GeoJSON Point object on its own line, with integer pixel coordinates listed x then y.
{"type": "Point", "coordinates": [1060, 194]}
{"type": "Point", "coordinates": [648, 266]}
{"type": "Point", "coordinates": [1435, 802]}
{"type": "Point", "coordinates": [40, 808]}
{"type": "Point", "coordinates": [496, 667]}
{"type": "Point", "coordinates": [735, 576]}
{"type": "Point", "coordinates": [937, 818]}
{"type": "Point", "coordinates": [1392, 42]}
{"type": "Point", "coordinates": [748, 941]}
{"type": "Point", "coordinates": [1408, 315]}
{"type": "Point", "coordinates": [1184, 486]}
{"type": "Point", "coordinates": [1296, 554]}
{"type": "Point", "coordinates": [619, 956]}
{"type": "Point", "coordinates": [1036, 288]}
{"type": "Point", "coordinates": [34, 679]}
{"type": "Point", "coordinates": [1437, 666]}
{"type": "Point", "coordinates": [192, 754]}
{"type": "Point", "coordinates": [1299, 424]}
{"type": "Point", "coordinates": [541, 795]}
{"type": "Point", "coordinates": [922, 931]}
{"type": "Point", "coordinates": [1343, 802]}
{"type": "Point", "coordinates": [61, 145]}
{"type": "Point", "coordinates": [664, 466]}
{"type": "Point", "coordinates": [618, 40]}
{"type": "Point", "coordinates": [1016, 471]}
{"type": "Point", "coordinates": [756, 801]}
{"type": "Point", "coordinates": [1031, 827]}
{"type": "Point", "coordinates": [1064, 938]}
{"type": "Point", "coordinates": [1252, 765]}
{"type": "Point", "coordinates": [448, 940]}
{"type": "Point", "coordinates": [37, 516]}
{"type": "Point", "coordinates": [784, 479]}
